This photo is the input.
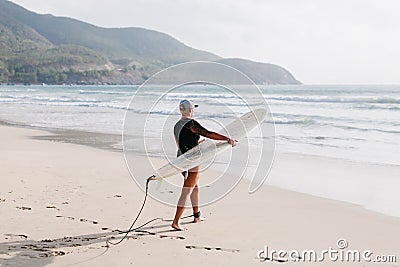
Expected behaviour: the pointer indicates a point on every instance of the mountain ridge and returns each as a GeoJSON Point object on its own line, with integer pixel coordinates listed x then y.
{"type": "Point", "coordinates": [38, 48]}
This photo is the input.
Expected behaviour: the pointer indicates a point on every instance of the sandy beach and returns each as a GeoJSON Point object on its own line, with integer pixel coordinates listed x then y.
{"type": "Point", "coordinates": [60, 202]}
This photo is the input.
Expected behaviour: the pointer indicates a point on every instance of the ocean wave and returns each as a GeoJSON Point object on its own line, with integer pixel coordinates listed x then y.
{"type": "Point", "coordinates": [348, 127]}
{"type": "Point", "coordinates": [319, 137]}
{"type": "Point", "coordinates": [64, 99]}
{"type": "Point", "coordinates": [15, 96]}
{"type": "Point", "coordinates": [87, 92]}
{"type": "Point", "coordinates": [176, 113]}
{"type": "Point", "coordinates": [305, 121]}
{"type": "Point", "coordinates": [68, 103]}
{"type": "Point", "coordinates": [335, 122]}
{"type": "Point", "coordinates": [323, 99]}
{"type": "Point", "coordinates": [281, 98]}
{"type": "Point", "coordinates": [8, 100]}
{"type": "Point", "coordinates": [192, 96]}
{"type": "Point", "coordinates": [47, 98]}
{"type": "Point", "coordinates": [11, 90]}
{"type": "Point", "coordinates": [325, 119]}
{"type": "Point", "coordinates": [377, 107]}
{"type": "Point", "coordinates": [103, 105]}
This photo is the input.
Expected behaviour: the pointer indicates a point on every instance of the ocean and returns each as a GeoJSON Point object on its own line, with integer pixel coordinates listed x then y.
{"type": "Point", "coordinates": [360, 123]}
{"type": "Point", "coordinates": [353, 122]}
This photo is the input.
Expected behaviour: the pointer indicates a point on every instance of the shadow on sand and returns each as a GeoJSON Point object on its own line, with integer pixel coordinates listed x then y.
{"type": "Point", "coordinates": [33, 253]}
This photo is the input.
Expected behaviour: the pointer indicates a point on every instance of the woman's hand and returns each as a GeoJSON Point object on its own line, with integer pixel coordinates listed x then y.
{"type": "Point", "coordinates": [232, 142]}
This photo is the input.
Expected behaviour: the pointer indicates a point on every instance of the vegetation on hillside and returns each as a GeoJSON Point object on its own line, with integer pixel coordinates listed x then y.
{"type": "Point", "coordinates": [38, 48]}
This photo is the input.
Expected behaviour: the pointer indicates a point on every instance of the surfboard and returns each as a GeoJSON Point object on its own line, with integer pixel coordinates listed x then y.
{"type": "Point", "coordinates": [238, 129]}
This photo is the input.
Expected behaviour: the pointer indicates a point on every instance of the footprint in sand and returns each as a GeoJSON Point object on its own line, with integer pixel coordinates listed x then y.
{"type": "Point", "coordinates": [72, 218]}
{"type": "Point", "coordinates": [52, 254]}
{"type": "Point", "coordinates": [52, 207]}
{"type": "Point", "coordinates": [66, 217]}
{"type": "Point", "coordinates": [24, 208]}
{"type": "Point", "coordinates": [84, 220]}
{"type": "Point", "coordinates": [212, 248]}
{"type": "Point", "coordinates": [172, 237]}
{"type": "Point", "coordinates": [109, 229]}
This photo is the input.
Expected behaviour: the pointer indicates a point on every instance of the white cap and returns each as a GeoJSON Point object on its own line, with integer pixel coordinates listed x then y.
{"type": "Point", "coordinates": [187, 104]}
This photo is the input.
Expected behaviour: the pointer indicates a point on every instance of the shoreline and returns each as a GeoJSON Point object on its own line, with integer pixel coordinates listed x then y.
{"type": "Point", "coordinates": [109, 142]}
{"type": "Point", "coordinates": [61, 201]}
{"type": "Point", "coordinates": [93, 139]}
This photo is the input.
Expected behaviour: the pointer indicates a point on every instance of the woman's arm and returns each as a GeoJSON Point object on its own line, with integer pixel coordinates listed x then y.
{"type": "Point", "coordinates": [197, 128]}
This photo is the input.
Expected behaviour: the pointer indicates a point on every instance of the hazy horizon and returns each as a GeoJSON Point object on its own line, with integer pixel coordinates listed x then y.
{"type": "Point", "coordinates": [319, 42]}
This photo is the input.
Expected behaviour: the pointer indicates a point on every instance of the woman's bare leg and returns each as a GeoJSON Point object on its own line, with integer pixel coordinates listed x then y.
{"type": "Point", "coordinates": [187, 190]}
{"type": "Point", "coordinates": [194, 198]}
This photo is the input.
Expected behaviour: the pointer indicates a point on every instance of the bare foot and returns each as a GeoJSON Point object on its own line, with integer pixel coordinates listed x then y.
{"type": "Point", "coordinates": [178, 227]}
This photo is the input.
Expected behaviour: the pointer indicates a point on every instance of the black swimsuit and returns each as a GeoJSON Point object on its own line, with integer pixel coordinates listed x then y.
{"type": "Point", "coordinates": [187, 134]}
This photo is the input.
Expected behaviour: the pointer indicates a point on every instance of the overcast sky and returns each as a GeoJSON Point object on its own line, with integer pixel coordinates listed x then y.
{"type": "Point", "coordinates": [319, 41]}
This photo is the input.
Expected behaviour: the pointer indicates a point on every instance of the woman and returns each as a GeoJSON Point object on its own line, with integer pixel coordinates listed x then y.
{"type": "Point", "coordinates": [187, 132]}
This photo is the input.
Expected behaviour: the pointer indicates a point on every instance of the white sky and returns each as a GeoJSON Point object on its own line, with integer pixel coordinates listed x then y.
{"type": "Point", "coordinates": [319, 41]}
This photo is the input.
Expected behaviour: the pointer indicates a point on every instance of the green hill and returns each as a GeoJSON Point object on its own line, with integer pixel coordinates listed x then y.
{"type": "Point", "coordinates": [261, 73]}
{"type": "Point", "coordinates": [43, 48]}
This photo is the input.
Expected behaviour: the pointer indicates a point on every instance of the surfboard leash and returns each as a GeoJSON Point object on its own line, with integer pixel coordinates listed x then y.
{"type": "Point", "coordinates": [131, 229]}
